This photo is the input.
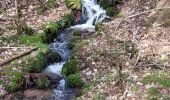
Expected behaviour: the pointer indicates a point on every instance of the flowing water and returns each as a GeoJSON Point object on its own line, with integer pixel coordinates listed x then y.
{"type": "Point", "coordinates": [92, 13]}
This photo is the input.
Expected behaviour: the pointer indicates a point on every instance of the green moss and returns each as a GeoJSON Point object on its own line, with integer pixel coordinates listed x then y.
{"type": "Point", "coordinates": [98, 26]}
{"type": "Point", "coordinates": [38, 63]}
{"type": "Point", "coordinates": [41, 9]}
{"type": "Point", "coordinates": [111, 11]}
{"type": "Point", "coordinates": [43, 83]}
{"type": "Point", "coordinates": [77, 33]}
{"type": "Point", "coordinates": [27, 39]}
{"type": "Point", "coordinates": [51, 31]}
{"type": "Point", "coordinates": [105, 3]}
{"type": "Point", "coordinates": [73, 4]}
{"type": "Point", "coordinates": [70, 67]}
{"type": "Point", "coordinates": [52, 57]}
{"type": "Point", "coordinates": [12, 87]}
{"type": "Point", "coordinates": [74, 81]}
{"type": "Point", "coordinates": [52, 3]}
{"type": "Point", "coordinates": [17, 77]}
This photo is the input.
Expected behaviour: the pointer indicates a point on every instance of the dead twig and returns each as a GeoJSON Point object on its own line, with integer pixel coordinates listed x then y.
{"type": "Point", "coordinates": [17, 56]}
{"type": "Point", "coordinates": [16, 47]}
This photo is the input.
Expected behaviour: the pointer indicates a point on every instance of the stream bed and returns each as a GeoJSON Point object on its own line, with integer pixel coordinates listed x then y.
{"type": "Point", "coordinates": [92, 13]}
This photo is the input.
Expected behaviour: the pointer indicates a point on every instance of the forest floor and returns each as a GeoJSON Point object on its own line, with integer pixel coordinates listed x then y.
{"type": "Point", "coordinates": [129, 57]}
{"type": "Point", "coordinates": [33, 16]}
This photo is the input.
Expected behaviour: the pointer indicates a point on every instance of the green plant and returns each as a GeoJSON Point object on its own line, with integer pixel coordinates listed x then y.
{"type": "Point", "coordinates": [52, 3]}
{"type": "Point", "coordinates": [70, 67]}
{"type": "Point", "coordinates": [52, 57]}
{"type": "Point", "coordinates": [51, 31]}
{"type": "Point", "coordinates": [98, 26]}
{"type": "Point", "coordinates": [41, 9]}
{"type": "Point", "coordinates": [28, 30]}
{"type": "Point", "coordinates": [157, 78]}
{"type": "Point", "coordinates": [74, 81]}
{"type": "Point", "coordinates": [154, 92]}
{"type": "Point", "coordinates": [43, 83]}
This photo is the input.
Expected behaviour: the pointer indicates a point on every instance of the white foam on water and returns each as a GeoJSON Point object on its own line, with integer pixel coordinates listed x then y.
{"type": "Point", "coordinates": [94, 14]}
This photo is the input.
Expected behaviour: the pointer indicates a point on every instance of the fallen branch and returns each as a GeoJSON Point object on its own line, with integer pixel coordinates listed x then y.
{"type": "Point", "coordinates": [17, 56]}
{"type": "Point", "coordinates": [139, 14]}
{"type": "Point", "coordinates": [15, 47]}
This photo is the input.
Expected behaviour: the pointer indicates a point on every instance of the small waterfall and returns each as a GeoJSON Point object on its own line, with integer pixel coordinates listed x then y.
{"type": "Point", "coordinates": [93, 13]}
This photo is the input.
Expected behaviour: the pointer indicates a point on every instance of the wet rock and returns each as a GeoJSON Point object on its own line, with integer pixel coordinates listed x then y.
{"type": "Point", "coordinates": [54, 77]}
{"type": "Point", "coordinates": [32, 94]}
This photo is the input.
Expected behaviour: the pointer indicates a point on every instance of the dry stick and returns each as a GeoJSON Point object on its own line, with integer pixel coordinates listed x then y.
{"type": "Point", "coordinates": [17, 56]}
{"type": "Point", "coordinates": [137, 60]}
{"type": "Point", "coordinates": [138, 15]}
{"type": "Point", "coordinates": [15, 47]}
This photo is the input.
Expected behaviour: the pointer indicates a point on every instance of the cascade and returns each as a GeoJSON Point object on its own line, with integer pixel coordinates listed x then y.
{"type": "Point", "coordinates": [93, 14]}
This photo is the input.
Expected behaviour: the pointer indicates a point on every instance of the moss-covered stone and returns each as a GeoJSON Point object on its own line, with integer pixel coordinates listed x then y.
{"type": "Point", "coordinates": [73, 4]}
{"type": "Point", "coordinates": [70, 67]}
{"type": "Point", "coordinates": [51, 31]}
{"type": "Point", "coordinates": [43, 82]}
{"type": "Point", "coordinates": [110, 6]}
{"type": "Point", "coordinates": [74, 81]}
{"type": "Point", "coordinates": [111, 11]}
{"type": "Point", "coordinates": [66, 21]}
{"type": "Point", "coordinates": [52, 57]}
{"type": "Point", "coordinates": [38, 63]}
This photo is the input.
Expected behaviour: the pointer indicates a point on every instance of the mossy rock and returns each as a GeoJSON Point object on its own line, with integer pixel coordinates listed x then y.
{"type": "Point", "coordinates": [105, 3]}
{"type": "Point", "coordinates": [111, 11]}
{"type": "Point", "coordinates": [52, 57]}
{"type": "Point", "coordinates": [38, 63]}
{"type": "Point", "coordinates": [66, 21]}
{"type": "Point", "coordinates": [70, 67]}
{"type": "Point", "coordinates": [43, 82]}
{"type": "Point", "coordinates": [51, 31]}
{"type": "Point", "coordinates": [74, 81]}
{"type": "Point", "coordinates": [73, 4]}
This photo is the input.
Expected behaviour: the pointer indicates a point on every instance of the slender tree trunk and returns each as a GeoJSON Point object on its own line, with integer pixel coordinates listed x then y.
{"type": "Point", "coordinates": [17, 21]}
